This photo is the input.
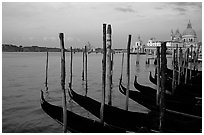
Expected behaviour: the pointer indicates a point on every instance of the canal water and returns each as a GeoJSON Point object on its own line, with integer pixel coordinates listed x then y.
{"type": "Point", "coordinates": [23, 76]}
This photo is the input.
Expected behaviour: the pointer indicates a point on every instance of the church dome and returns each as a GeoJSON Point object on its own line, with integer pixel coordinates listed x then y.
{"type": "Point", "coordinates": [189, 30]}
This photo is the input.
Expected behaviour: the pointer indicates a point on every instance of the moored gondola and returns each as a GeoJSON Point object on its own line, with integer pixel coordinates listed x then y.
{"type": "Point", "coordinates": [77, 123]}
{"type": "Point", "coordinates": [145, 89]}
{"type": "Point", "coordinates": [132, 121]}
{"type": "Point", "coordinates": [182, 93]}
{"type": "Point", "coordinates": [182, 89]}
{"type": "Point", "coordinates": [149, 101]}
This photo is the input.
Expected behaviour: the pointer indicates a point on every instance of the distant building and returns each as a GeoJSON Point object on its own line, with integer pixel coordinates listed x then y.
{"type": "Point", "coordinates": [138, 47]}
{"type": "Point", "coordinates": [186, 40]}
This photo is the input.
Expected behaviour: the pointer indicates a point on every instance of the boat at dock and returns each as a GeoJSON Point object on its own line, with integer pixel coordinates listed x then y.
{"type": "Point", "coordinates": [134, 121]}
{"type": "Point", "coordinates": [77, 123]}
{"type": "Point", "coordinates": [189, 106]}
{"type": "Point", "coordinates": [194, 86]}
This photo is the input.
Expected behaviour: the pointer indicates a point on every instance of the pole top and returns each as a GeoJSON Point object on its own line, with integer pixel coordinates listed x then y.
{"type": "Point", "coordinates": [61, 35]}
{"type": "Point", "coordinates": [109, 31]}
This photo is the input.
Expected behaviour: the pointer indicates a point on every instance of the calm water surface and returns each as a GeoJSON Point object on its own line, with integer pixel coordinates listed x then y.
{"type": "Point", "coordinates": [23, 76]}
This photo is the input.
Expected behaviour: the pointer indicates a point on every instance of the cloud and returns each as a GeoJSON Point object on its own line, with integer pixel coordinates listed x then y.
{"type": "Point", "coordinates": [159, 8]}
{"type": "Point", "coordinates": [183, 7]}
{"type": "Point", "coordinates": [125, 9]}
{"type": "Point", "coordinates": [181, 10]}
{"type": "Point", "coordinates": [187, 4]}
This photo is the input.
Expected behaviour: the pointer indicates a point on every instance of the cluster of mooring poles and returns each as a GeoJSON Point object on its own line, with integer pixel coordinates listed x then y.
{"type": "Point", "coordinates": [181, 62]}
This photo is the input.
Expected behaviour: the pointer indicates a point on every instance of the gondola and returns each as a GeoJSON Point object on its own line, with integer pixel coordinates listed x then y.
{"type": "Point", "coordinates": [196, 76]}
{"type": "Point", "coordinates": [182, 89]}
{"type": "Point", "coordinates": [194, 72]}
{"type": "Point", "coordinates": [77, 123]}
{"type": "Point", "coordinates": [146, 89]}
{"type": "Point", "coordinates": [149, 101]}
{"type": "Point", "coordinates": [182, 92]}
{"type": "Point", "coordinates": [132, 121]}
{"type": "Point", "coordinates": [154, 81]}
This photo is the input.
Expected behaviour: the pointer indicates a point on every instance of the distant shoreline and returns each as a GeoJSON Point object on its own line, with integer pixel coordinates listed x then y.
{"type": "Point", "coordinates": [15, 48]}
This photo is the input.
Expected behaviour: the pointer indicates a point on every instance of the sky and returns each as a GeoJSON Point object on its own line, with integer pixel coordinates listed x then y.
{"type": "Point", "coordinates": [39, 23]}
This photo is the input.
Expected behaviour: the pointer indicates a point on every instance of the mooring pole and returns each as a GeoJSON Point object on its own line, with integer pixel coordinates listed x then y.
{"type": "Point", "coordinates": [86, 70]}
{"type": "Point", "coordinates": [137, 60]}
{"type": "Point", "coordinates": [197, 54]}
{"type": "Point", "coordinates": [46, 72]}
{"type": "Point", "coordinates": [180, 65]}
{"type": "Point", "coordinates": [122, 67]}
{"type": "Point", "coordinates": [163, 81]}
{"type": "Point", "coordinates": [158, 76]}
{"type": "Point", "coordinates": [109, 76]}
{"type": "Point", "coordinates": [70, 83]}
{"type": "Point", "coordinates": [64, 105]}
{"type": "Point", "coordinates": [82, 65]}
{"type": "Point", "coordinates": [176, 66]}
{"type": "Point", "coordinates": [186, 65]}
{"type": "Point", "coordinates": [174, 72]}
{"type": "Point", "coordinates": [191, 62]}
{"type": "Point", "coordinates": [128, 71]}
{"type": "Point", "coordinates": [103, 75]}
{"type": "Point", "coordinates": [112, 54]}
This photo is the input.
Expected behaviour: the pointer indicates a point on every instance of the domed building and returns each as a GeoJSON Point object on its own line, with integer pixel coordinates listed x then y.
{"type": "Point", "coordinates": [189, 35]}
{"type": "Point", "coordinates": [187, 39]}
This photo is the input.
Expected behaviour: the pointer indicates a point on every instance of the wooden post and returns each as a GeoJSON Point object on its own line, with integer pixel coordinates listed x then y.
{"type": "Point", "coordinates": [70, 83]}
{"type": "Point", "coordinates": [195, 60]}
{"type": "Point", "coordinates": [158, 76]}
{"type": "Point", "coordinates": [197, 54]}
{"type": "Point", "coordinates": [191, 62]}
{"type": "Point", "coordinates": [64, 105]}
{"type": "Point", "coordinates": [82, 65]}
{"type": "Point", "coordinates": [172, 55]}
{"type": "Point", "coordinates": [112, 54]}
{"type": "Point", "coordinates": [128, 71]}
{"type": "Point", "coordinates": [174, 71]}
{"type": "Point", "coordinates": [46, 73]}
{"type": "Point", "coordinates": [86, 70]}
{"type": "Point", "coordinates": [122, 66]}
{"type": "Point", "coordinates": [109, 76]}
{"type": "Point", "coordinates": [180, 59]}
{"type": "Point", "coordinates": [186, 65]}
{"type": "Point", "coordinates": [103, 75]}
{"type": "Point", "coordinates": [137, 61]}
{"type": "Point", "coordinates": [176, 66]}
{"type": "Point", "coordinates": [163, 80]}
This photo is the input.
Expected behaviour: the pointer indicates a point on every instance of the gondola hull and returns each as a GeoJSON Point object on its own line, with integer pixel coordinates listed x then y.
{"type": "Point", "coordinates": [132, 121]}
{"type": "Point", "coordinates": [182, 89]}
{"type": "Point", "coordinates": [77, 123]}
{"type": "Point", "coordinates": [173, 121]}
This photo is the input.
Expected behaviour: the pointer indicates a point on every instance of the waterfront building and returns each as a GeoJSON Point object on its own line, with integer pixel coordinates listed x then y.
{"type": "Point", "coordinates": [188, 39]}
{"type": "Point", "coordinates": [138, 47]}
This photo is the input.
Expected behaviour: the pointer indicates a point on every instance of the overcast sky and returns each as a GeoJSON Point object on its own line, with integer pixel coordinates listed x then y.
{"type": "Point", "coordinates": [29, 24]}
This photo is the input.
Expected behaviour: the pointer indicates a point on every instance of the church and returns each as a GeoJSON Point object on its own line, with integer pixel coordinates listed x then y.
{"type": "Point", "coordinates": [187, 39]}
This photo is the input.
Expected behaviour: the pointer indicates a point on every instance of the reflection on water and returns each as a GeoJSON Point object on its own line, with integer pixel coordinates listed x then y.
{"type": "Point", "coordinates": [23, 76]}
